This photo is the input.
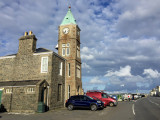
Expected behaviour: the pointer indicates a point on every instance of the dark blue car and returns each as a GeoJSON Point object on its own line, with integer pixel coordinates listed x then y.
{"type": "Point", "coordinates": [83, 101]}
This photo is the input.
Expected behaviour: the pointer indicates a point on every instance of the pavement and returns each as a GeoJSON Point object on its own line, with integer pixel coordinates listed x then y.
{"type": "Point", "coordinates": [141, 109]}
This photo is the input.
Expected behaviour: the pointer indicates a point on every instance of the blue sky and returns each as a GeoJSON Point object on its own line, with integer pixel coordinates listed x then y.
{"type": "Point", "coordinates": [120, 39]}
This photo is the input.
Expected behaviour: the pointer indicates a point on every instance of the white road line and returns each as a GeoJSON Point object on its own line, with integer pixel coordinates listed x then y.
{"type": "Point", "coordinates": [156, 104]}
{"type": "Point", "coordinates": [153, 102]}
{"type": "Point", "coordinates": [133, 110]}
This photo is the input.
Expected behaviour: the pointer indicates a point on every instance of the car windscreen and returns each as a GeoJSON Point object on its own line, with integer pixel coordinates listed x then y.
{"type": "Point", "coordinates": [90, 97]}
{"type": "Point", "coordinates": [95, 98]}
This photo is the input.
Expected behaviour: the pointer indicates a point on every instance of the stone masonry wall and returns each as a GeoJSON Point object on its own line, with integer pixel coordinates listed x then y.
{"type": "Point", "coordinates": [24, 67]}
{"type": "Point", "coordinates": [19, 100]}
{"type": "Point", "coordinates": [57, 79]}
{"type": "Point", "coordinates": [6, 69]}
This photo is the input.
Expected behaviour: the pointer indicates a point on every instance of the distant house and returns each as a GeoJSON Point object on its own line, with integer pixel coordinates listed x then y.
{"type": "Point", "coordinates": [40, 75]}
{"type": "Point", "coordinates": [155, 91]}
{"type": "Point", "coordinates": [158, 91]}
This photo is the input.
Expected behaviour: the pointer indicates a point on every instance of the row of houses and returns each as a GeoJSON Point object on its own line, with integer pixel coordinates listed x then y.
{"type": "Point", "coordinates": [155, 91]}
{"type": "Point", "coordinates": [38, 75]}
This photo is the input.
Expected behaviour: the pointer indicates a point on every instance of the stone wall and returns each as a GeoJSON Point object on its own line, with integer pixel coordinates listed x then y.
{"type": "Point", "coordinates": [57, 79]}
{"type": "Point", "coordinates": [7, 69]}
{"type": "Point", "coordinates": [24, 67]}
{"type": "Point", "coordinates": [20, 100]}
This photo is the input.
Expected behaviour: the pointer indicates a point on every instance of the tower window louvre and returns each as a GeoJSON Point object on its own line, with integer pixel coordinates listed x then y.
{"type": "Point", "coordinates": [69, 69]}
{"type": "Point", "coordinates": [68, 51]}
{"type": "Point", "coordinates": [63, 45]}
{"type": "Point", "coordinates": [63, 51]}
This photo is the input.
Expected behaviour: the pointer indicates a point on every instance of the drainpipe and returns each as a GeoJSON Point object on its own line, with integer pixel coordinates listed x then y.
{"type": "Point", "coordinates": [10, 108]}
{"type": "Point", "coordinates": [48, 96]}
{"type": "Point", "coordinates": [11, 98]}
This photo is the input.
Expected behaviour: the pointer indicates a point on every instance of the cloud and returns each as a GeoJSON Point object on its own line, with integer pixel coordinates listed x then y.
{"type": "Point", "coordinates": [151, 73]}
{"type": "Point", "coordinates": [87, 57]}
{"type": "Point", "coordinates": [96, 80]}
{"type": "Point", "coordinates": [85, 66]}
{"type": "Point", "coordinates": [136, 17]}
{"type": "Point", "coordinates": [123, 72]}
{"type": "Point", "coordinates": [131, 83]}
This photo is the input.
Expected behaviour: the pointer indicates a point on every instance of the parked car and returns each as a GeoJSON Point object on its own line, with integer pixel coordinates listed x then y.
{"type": "Point", "coordinates": [104, 97]}
{"type": "Point", "coordinates": [83, 101]}
{"type": "Point", "coordinates": [114, 96]}
{"type": "Point", "coordinates": [127, 97]}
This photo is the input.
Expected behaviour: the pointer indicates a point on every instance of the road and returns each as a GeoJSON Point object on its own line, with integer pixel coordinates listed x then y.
{"type": "Point", "coordinates": [147, 109]}
{"type": "Point", "coordinates": [141, 109]}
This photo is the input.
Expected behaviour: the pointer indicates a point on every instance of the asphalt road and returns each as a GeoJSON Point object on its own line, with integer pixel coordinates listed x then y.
{"type": "Point", "coordinates": [142, 109]}
{"type": "Point", "coordinates": [147, 108]}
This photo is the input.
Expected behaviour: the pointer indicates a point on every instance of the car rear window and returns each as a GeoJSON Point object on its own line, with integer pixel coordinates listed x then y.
{"type": "Point", "coordinates": [104, 95]}
{"type": "Point", "coordinates": [85, 98]}
{"type": "Point", "coordinates": [75, 98]}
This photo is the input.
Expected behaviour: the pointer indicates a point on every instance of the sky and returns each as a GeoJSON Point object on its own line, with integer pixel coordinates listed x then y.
{"type": "Point", "coordinates": [120, 39]}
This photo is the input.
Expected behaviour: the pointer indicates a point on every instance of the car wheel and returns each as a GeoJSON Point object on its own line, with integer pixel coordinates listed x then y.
{"type": "Point", "coordinates": [111, 104]}
{"type": "Point", "coordinates": [70, 107]}
{"type": "Point", "coordinates": [93, 107]}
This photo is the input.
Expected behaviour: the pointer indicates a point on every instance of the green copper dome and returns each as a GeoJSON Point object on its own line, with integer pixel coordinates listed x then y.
{"type": "Point", "coordinates": [68, 19]}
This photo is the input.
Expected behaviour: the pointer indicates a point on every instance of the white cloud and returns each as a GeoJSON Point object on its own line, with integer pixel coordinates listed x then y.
{"type": "Point", "coordinates": [87, 57]}
{"type": "Point", "coordinates": [86, 54]}
{"type": "Point", "coordinates": [85, 66]}
{"type": "Point", "coordinates": [151, 73]}
{"type": "Point", "coordinates": [96, 80]}
{"type": "Point", "coordinates": [137, 16]}
{"type": "Point", "coordinates": [123, 72]}
{"type": "Point", "coordinates": [85, 50]}
{"type": "Point", "coordinates": [138, 57]}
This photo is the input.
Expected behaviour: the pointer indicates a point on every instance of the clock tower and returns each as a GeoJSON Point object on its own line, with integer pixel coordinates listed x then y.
{"type": "Point", "coordinates": [69, 48]}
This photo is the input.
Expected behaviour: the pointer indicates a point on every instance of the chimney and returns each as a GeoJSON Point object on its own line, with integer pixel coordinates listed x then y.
{"type": "Point", "coordinates": [27, 44]}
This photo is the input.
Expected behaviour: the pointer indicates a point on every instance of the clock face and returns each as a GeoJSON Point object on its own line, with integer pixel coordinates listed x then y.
{"type": "Point", "coordinates": [65, 30]}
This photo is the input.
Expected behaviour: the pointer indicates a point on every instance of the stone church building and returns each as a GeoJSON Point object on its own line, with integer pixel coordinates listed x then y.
{"type": "Point", "coordinates": [35, 75]}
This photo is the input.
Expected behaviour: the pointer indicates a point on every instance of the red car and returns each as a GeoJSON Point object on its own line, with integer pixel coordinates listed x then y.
{"type": "Point", "coordinates": [104, 97]}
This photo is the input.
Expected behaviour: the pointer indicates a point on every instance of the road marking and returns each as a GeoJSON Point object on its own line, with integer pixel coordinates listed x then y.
{"type": "Point", "coordinates": [153, 102]}
{"type": "Point", "coordinates": [156, 104]}
{"type": "Point", "coordinates": [133, 110]}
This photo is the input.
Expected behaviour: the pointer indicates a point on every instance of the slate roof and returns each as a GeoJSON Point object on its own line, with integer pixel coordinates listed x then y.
{"type": "Point", "coordinates": [19, 83]}
{"type": "Point", "coordinates": [11, 55]}
{"type": "Point", "coordinates": [40, 50]}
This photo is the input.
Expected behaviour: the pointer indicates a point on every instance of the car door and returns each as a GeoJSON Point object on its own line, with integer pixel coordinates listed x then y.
{"type": "Point", "coordinates": [84, 101]}
{"type": "Point", "coordinates": [105, 98]}
{"type": "Point", "coordinates": [76, 101]}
